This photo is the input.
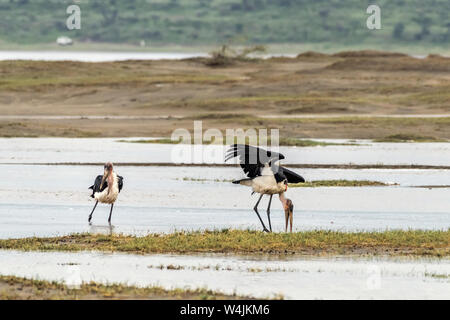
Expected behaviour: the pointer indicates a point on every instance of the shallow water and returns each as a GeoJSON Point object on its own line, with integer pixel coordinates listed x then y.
{"type": "Point", "coordinates": [294, 278]}
{"type": "Point", "coordinates": [54, 200]}
{"type": "Point", "coordinates": [89, 150]}
{"type": "Point", "coordinates": [106, 56]}
{"type": "Point", "coordinates": [46, 200]}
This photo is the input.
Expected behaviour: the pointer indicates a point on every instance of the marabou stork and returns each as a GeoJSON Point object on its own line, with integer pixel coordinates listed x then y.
{"type": "Point", "coordinates": [106, 189]}
{"type": "Point", "coordinates": [265, 176]}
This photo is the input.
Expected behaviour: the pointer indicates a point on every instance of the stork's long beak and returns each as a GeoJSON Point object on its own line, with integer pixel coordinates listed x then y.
{"type": "Point", "coordinates": [105, 176]}
{"type": "Point", "coordinates": [289, 215]}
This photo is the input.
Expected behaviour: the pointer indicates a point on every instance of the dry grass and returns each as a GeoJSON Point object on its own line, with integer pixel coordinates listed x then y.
{"type": "Point", "coordinates": [14, 288]}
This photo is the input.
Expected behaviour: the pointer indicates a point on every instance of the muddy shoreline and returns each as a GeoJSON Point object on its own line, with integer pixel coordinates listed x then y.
{"type": "Point", "coordinates": [336, 96]}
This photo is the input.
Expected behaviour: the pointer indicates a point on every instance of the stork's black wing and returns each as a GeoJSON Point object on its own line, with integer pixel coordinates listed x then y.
{"type": "Point", "coordinates": [291, 176]}
{"type": "Point", "coordinates": [120, 182]}
{"type": "Point", "coordinates": [96, 187]}
{"type": "Point", "coordinates": [252, 159]}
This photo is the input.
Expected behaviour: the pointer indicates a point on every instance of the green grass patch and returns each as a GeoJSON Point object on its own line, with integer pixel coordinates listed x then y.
{"type": "Point", "coordinates": [292, 142]}
{"type": "Point", "coordinates": [405, 137]}
{"type": "Point", "coordinates": [205, 180]}
{"type": "Point", "coordinates": [309, 184]}
{"type": "Point", "coordinates": [412, 242]}
{"type": "Point", "coordinates": [339, 183]}
{"type": "Point", "coordinates": [285, 142]}
{"type": "Point", "coordinates": [437, 275]}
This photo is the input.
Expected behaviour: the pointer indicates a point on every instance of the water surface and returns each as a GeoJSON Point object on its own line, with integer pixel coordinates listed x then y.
{"type": "Point", "coordinates": [294, 278]}
{"type": "Point", "coordinates": [54, 200]}
{"type": "Point", "coordinates": [94, 150]}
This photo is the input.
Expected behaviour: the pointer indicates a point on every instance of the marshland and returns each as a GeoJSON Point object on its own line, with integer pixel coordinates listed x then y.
{"type": "Point", "coordinates": [368, 131]}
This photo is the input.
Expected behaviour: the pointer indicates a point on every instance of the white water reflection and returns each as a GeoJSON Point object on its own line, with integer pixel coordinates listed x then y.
{"type": "Point", "coordinates": [89, 150]}
{"type": "Point", "coordinates": [294, 278]}
{"type": "Point", "coordinates": [22, 221]}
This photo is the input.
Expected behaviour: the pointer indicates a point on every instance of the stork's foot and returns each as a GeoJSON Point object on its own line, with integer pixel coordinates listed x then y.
{"type": "Point", "coordinates": [266, 230]}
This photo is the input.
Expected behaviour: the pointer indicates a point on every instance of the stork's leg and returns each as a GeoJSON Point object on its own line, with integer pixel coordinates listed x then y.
{"type": "Point", "coordinates": [268, 212]}
{"type": "Point", "coordinates": [286, 215]}
{"type": "Point", "coordinates": [90, 216]}
{"type": "Point", "coordinates": [256, 210]}
{"type": "Point", "coordinates": [291, 218]}
{"type": "Point", "coordinates": [110, 213]}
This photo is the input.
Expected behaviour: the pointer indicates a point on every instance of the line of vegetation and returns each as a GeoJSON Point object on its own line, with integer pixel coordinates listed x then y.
{"type": "Point", "coordinates": [363, 121]}
{"type": "Point", "coordinates": [437, 275]}
{"type": "Point", "coordinates": [339, 183]}
{"type": "Point", "coordinates": [318, 242]}
{"type": "Point", "coordinates": [285, 142]}
{"type": "Point", "coordinates": [433, 187]}
{"type": "Point", "coordinates": [204, 179]}
{"type": "Point", "coordinates": [406, 137]}
{"type": "Point", "coordinates": [218, 267]}
{"type": "Point", "coordinates": [15, 288]}
{"type": "Point", "coordinates": [310, 184]}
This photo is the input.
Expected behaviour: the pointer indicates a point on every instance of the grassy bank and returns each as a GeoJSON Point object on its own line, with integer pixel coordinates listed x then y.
{"type": "Point", "coordinates": [14, 288]}
{"type": "Point", "coordinates": [416, 243]}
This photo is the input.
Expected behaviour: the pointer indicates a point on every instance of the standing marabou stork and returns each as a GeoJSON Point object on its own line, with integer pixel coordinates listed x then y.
{"type": "Point", "coordinates": [106, 189]}
{"type": "Point", "coordinates": [265, 176]}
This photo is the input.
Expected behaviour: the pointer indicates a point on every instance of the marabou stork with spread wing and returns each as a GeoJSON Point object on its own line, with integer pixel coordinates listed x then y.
{"type": "Point", "coordinates": [265, 176]}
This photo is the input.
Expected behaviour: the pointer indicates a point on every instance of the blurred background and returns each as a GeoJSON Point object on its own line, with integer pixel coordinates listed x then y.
{"type": "Point", "coordinates": [285, 26]}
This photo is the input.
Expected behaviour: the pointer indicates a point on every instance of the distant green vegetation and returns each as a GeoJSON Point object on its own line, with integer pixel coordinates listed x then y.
{"type": "Point", "coordinates": [191, 22]}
